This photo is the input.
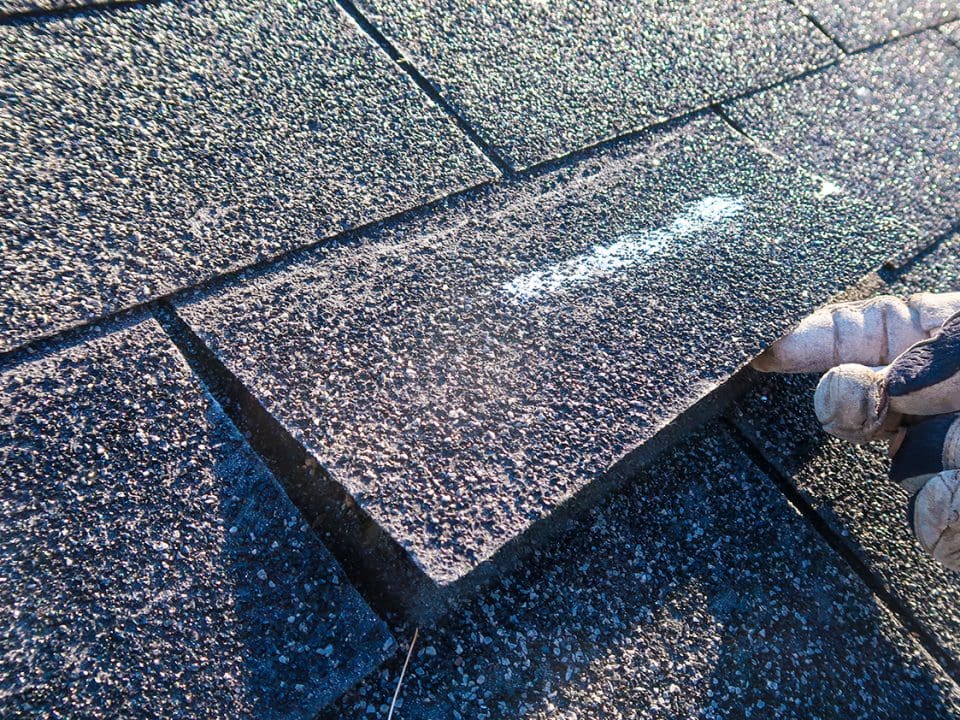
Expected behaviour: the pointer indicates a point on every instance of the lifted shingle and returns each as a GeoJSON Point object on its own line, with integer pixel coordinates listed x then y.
{"type": "Point", "coordinates": [463, 376]}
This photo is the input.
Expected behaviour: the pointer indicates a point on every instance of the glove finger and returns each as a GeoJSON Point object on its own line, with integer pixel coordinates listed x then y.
{"type": "Point", "coordinates": [936, 518]}
{"type": "Point", "coordinates": [866, 332]}
{"type": "Point", "coordinates": [925, 378]}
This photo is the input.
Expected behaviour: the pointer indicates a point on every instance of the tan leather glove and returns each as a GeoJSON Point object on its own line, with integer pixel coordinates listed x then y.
{"type": "Point", "coordinates": [888, 363]}
{"type": "Point", "coordinates": [867, 332]}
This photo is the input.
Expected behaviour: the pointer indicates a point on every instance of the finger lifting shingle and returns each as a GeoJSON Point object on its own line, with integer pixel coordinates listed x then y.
{"type": "Point", "coordinates": [850, 486]}
{"type": "Point", "coordinates": [868, 332]}
{"type": "Point", "coordinates": [463, 376]}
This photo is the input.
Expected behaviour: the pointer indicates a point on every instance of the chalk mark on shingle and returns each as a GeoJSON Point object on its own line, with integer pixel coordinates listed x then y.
{"type": "Point", "coordinates": [627, 251]}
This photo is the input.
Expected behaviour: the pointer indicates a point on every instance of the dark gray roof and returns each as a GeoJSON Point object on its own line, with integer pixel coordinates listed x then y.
{"type": "Point", "coordinates": [539, 79]}
{"type": "Point", "coordinates": [856, 24]}
{"type": "Point", "coordinates": [881, 124]}
{"type": "Point", "coordinates": [454, 291]}
{"type": "Point", "coordinates": [151, 148]}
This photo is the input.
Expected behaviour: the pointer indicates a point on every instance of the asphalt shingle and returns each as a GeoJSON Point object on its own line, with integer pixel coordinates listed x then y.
{"type": "Point", "coordinates": [849, 486]}
{"type": "Point", "coordinates": [152, 567]}
{"type": "Point", "coordinates": [540, 79]}
{"type": "Point", "coordinates": [695, 592]}
{"type": "Point", "coordinates": [149, 148]}
{"type": "Point", "coordinates": [882, 125]}
{"type": "Point", "coordinates": [856, 24]}
{"type": "Point", "coordinates": [464, 375]}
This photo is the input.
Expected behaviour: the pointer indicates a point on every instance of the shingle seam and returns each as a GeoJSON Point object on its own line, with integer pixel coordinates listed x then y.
{"type": "Point", "coordinates": [896, 265]}
{"type": "Point", "coordinates": [76, 335]}
{"type": "Point", "coordinates": [428, 88]}
{"type": "Point", "coordinates": [953, 40]}
{"type": "Point", "coordinates": [632, 133]}
{"type": "Point", "coordinates": [819, 26]}
{"type": "Point", "coordinates": [906, 36]}
{"type": "Point", "coordinates": [506, 167]}
{"type": "Point", "coordinates": [67, 336]}
{"type": "Point", "coordinates": [892, 274]}
{"type": "Point", "coordinates": [323, 503]}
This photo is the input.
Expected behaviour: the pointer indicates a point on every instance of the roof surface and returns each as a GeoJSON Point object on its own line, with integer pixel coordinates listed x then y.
{"type": "Point", "coordinates": [322, 321]}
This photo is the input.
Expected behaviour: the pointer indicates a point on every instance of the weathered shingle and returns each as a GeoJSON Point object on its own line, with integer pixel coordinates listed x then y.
{"type": "Point", "coordinates": [540, 79]}
{"type": "Point", "coordinates": [855, 24]}
{"type": "Point", "coordinates": [151, 566]}
{"type": "Point", "coordinates": [881, 124]}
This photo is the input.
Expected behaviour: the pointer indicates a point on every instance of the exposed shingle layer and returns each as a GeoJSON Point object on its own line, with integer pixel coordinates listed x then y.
{"type": "Point", "coordinates": [152, 567]}
{"type": "Point", "coordinates": [696, 592]}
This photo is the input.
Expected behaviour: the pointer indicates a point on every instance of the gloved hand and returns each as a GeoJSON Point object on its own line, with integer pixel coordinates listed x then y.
{"type": "Point", "coordinates": [892, 373]}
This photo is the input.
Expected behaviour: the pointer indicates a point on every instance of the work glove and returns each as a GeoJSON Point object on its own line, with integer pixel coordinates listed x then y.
{"type": "Point", "coordinates": [892, 373]}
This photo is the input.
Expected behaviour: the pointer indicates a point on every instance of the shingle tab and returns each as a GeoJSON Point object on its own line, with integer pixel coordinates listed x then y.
{"type": "Point", "coordinates": [463, 376]}
{"type": "Point", "coordinates": [849, 486]}
{"type": "Point", "coordinates": [149, 563]}
{"type": "Point", "coordinates": [696, 592]}
{"type": "Point", "coordinates": [856, 24]}
{"type": "Point", "coordinates": [540, 79]}
{"type": "Point", "coordinates": [882, 125]}
{"type": "Point", "coordinates": [149, 148]}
